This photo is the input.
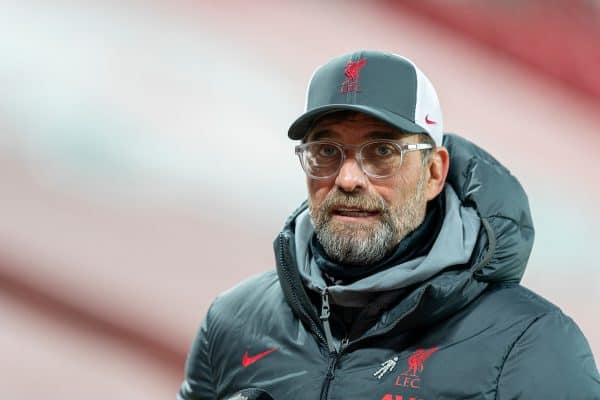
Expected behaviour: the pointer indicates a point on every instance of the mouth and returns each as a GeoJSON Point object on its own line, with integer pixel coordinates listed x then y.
{"type": "Point", "coordinates": [354, 213]}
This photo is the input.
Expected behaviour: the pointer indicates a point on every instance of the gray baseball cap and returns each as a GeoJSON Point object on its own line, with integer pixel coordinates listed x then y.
{"type": "Point", "coordinates": [384, 85]}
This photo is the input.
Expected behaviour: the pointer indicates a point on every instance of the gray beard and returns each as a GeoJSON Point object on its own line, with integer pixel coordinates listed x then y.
{"type": "Point", "coordinates": [368, 243]}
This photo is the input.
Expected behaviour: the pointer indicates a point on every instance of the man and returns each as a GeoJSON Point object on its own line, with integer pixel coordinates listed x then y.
{"type": "Point", "coordinates": [399, 278]}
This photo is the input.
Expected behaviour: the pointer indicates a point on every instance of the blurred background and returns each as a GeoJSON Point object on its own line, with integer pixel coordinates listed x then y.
{"type": "Point", "coordinates": [145, 168]}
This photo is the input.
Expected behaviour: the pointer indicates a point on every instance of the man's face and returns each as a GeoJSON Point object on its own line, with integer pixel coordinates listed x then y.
{"type": "Point", "coordinates": [358, 219]}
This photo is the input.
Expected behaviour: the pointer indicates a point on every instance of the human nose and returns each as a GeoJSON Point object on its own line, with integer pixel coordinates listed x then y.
{"type": "Point", "coordinates": [351, 176]}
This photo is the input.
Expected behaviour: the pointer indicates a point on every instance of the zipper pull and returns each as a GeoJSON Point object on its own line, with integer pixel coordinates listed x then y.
{"type": "Point", "coordinates": [325, 313]}
{"type": "Point", "coordinates": [344, 343]}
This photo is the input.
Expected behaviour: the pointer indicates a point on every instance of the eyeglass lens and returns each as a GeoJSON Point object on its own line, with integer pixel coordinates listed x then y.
{"type": "Point", "coordinates": [378, 158]}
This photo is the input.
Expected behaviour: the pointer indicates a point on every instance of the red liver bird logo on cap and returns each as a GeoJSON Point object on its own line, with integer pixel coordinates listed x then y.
{"type": "Point", "coordinates": [353, 68]}
{"type": "Point", "coordinates": [352, 72]}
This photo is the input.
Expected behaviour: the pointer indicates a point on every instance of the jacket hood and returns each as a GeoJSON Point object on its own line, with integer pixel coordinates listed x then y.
{"type": "Point", "coordinates": [482, 183]}
{"type": "Point", "coordinates": [484, 190]}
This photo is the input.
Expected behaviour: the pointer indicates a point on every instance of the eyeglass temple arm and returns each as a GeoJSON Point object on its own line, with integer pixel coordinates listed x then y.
{"type": "Point", "coordinates": [417, 146]}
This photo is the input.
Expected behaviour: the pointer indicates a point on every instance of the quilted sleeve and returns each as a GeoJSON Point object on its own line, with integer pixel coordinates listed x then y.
{"type": "Point", "coordinates": [197, 384]}
{"type": "Point", "coordinates": [550, 360]}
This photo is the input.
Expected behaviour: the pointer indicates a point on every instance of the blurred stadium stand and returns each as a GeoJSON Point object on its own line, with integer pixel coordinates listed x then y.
{"type": "Point", "coordinates": [556, 37]}
{"type": "Point", "coordinates": [145, 167]}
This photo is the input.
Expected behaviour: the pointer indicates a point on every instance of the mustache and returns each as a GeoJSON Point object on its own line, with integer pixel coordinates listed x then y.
{"type": "Point", "coordinates": [339, 199]}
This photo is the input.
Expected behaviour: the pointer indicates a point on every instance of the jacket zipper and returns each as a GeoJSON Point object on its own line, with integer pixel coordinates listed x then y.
{"type": "Point", "coordinates": [296, 301]}
{"type": "Point", "coordinates": [334, 354]}
{"type": "Point", "coordinates": [333, 358]}
{"type": "Point", "coordinates": [325, 313]}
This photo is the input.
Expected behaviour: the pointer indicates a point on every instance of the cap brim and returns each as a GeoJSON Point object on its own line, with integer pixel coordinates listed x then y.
{"type": "Point", "coordinates": [300, 126]}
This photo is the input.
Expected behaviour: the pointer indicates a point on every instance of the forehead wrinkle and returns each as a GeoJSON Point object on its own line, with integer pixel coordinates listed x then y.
{"type": "Point", "coordinates": [387, 134]}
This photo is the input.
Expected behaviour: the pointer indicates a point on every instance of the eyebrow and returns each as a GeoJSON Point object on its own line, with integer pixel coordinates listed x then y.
{"type": "Point", "coordinates": [322, 134]}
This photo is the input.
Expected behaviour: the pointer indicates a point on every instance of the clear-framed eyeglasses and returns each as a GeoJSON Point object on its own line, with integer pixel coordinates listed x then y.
{"type": "Point", "coordinates": [378, 158]}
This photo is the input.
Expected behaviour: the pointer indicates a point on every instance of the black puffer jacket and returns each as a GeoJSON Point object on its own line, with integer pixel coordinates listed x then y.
{"type": "Point", "coordinates": [469, 332]}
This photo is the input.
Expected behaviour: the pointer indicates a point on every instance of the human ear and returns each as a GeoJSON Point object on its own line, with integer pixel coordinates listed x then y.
{"type": "Point", "coordinates": [437, 171]}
